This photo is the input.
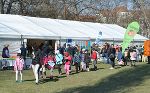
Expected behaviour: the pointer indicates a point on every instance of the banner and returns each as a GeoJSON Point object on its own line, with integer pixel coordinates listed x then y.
{"type": "Point", "coordinates": [131, 31]}
{"type": "Point", "coordinates": [99, 38]}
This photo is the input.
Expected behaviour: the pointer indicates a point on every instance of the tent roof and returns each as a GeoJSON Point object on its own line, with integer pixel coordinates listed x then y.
{"type": "Point", "coordinates": [13, 26]}
{"type": "Point", "coordinates": [122, 31]}
{"type": "Point", "coordinates": [54, 26]}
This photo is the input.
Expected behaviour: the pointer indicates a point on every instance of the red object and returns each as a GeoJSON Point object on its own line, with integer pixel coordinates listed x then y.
{"type": "Point", "coordinates": [68, 60]}
{"type": "Point", "coordinates": [94, 55]}
{"type": "Point", "coordinates": [52, 59]}
{"type": "Point", "coordinates": [86, 43]}
{"type": "Point", "coordinates": [66, 54]}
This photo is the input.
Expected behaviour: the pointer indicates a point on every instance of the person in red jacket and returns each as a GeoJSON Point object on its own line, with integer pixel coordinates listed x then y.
{"type": "Point", "coordinates": [94, 57]}
{"type": "Point", "coordinates": [68, 59]}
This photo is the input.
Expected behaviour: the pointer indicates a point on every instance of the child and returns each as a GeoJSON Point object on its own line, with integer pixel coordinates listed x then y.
{"type": "Point", "coordinates": [67, 62]}
{"type": "Point", "coordinates": [18, 66]}
{"type": "Point", "coordinates": [51, 64]}
{"type": "Point", "coordinates": [43, 63]}
{"type": "Point", "coordinates": [59, 61]}
{"type": "Point", "coordinates": [76, 60]}
{"type": "Point", "coordinates": [133, 56]}
{"type": "Point", "coordinates": [94, 57]}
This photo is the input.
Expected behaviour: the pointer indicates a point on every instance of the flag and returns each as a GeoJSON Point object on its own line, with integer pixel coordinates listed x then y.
{"type": "Point", "coordinates": [131, 31]}
{"type": "Point", "coordinates": [99, 38]}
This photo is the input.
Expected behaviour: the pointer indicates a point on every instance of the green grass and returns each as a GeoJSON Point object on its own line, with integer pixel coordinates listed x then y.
{"type": "Point", "coordinates": [121, 80]}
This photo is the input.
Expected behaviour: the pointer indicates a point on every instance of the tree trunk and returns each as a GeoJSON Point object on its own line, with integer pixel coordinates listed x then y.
{"type": "Point", "coordinates": [2, 6]}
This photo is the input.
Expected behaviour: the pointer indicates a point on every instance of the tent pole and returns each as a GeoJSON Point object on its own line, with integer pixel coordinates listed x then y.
{"type": "Point", "coordinates": [60, 40]}
{"type": "Point", "coordinates": [21, 39]}
{"type": "Point", "coordinates": [113, 41]}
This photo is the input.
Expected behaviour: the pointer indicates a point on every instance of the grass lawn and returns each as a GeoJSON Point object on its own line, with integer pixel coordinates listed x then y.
{"type": "Point", "coordinates": [120, 80]}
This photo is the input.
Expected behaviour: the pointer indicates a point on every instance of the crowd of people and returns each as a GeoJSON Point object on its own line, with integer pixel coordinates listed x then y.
{"type": "Point", "coordinates": [44, 59]}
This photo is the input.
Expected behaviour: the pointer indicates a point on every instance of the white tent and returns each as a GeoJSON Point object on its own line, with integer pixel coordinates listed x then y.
{"type": "Point", "coordinates": [7, 32]}
{"type": "Point", "coordinates": [25, 28]}
{"type": "Point", "coordinates": [16, 26]}
{"type": "Point", "coordinates": [122, 30]}
{"type": "Point", "coordinates": [62, 30]}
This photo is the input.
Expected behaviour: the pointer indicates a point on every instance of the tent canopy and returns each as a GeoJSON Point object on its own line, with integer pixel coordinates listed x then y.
{"type": "Point", "coordinates": [15, 26]}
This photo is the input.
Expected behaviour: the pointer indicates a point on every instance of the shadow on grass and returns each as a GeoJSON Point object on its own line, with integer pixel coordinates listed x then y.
{"type": "Point", "coordinates": [30, 80]}
{"type": "Point", "coordinates": [116, 83]}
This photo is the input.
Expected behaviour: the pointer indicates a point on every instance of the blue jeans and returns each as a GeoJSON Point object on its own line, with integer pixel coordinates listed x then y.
{"type": "Point", "coordinates": [106, 55]}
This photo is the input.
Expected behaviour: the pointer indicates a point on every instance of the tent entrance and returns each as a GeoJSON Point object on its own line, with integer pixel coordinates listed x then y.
{"type": "Point", "coordinates": [37, 42]}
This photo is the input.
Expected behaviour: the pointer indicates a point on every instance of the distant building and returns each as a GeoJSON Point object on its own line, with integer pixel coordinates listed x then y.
{"type": "Point", "coordinates": [87, 18]}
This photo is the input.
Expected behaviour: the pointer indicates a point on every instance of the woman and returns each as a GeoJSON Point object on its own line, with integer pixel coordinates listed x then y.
{"type": "Point", "coordinates": [36, 64]}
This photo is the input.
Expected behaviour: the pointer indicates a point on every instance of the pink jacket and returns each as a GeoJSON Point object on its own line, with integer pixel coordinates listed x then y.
{"type": "Point", "coordinates": [133, 55]}
{"type": "Point", "coordinates": [18, 65]}
{"type": "Point", "coordinates": [68, 62]}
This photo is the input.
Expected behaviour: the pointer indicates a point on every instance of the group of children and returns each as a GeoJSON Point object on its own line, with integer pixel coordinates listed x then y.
{"type": "Point", "coordinates": [129, 55]}
{"type": "Point", "coordinates": [80, 60]}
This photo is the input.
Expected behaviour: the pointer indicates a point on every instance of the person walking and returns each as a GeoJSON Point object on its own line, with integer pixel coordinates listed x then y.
{"type": "Point", "coordinates": [68, 60]}
{"type": "Point", "coordinates": [94, 57]}
{"type": "Point", "coordinates": [59, 61]}
{"type": "Point", "coordinates": [36, 64]}
{"type": "Point", "coordinates": [111, 54]}
{"type": "Point", "coordinates": [76, 61]}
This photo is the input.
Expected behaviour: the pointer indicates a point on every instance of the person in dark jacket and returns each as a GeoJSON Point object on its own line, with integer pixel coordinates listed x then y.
{"type": "Point", "coordinates": [23, 54]}
{"type": "Point", "coordinates": [87, 59]}
{"type": "Point", "coordinates": [111, 55]}
{"type": "Point", "coordinates": [36, 63]}
{"type": "Point", "coordinates": [76, 61]}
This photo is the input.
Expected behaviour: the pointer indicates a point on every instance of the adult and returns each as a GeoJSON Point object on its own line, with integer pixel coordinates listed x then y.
{"type": "Point", "coordinates": [69, 50]}
{"type": "Point", "coordinates": [107, 52]}
{"type": "Point", "coordinates": [87, 59]}
{"type": "Point", "coordinates": [23, 54]}
{"type": "Point", "coordinates": [61, 49]}
{"type": "Point", "coordinates": [44, 54]}
{"type": "Point", "coordinates": [36, 63]}
{"type": "Point", "coordinates": [5, 54]}
{"type": "Point", "coordinates": [111, 55]}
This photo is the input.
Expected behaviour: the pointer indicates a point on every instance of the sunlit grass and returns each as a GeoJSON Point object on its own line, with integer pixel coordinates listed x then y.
{"type": "Point", "coordinates": [79, 83]}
